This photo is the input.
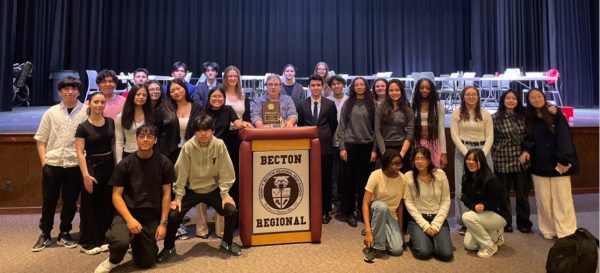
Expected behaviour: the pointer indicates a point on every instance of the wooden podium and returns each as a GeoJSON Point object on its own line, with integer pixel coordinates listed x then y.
{"type": "Point", "coordinates": [280, 186]}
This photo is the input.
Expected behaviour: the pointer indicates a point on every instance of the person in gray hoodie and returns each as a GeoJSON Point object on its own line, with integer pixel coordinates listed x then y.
{"type": "Point", "coordinates": [204, 174]}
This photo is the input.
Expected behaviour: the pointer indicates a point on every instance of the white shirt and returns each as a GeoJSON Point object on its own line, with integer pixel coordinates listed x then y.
{"type": "Point", "coordinates": [57, 129]}
{"type": "Point", "coordinates": [125, 140]}
{"type": "Point", "coordinates": [312, 105]}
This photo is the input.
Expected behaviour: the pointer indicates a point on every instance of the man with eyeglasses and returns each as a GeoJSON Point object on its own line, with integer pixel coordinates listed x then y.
{"type": "Point", "coordinates": [289, 115]}
{"type": "Point", "coordinates": [107, 82]}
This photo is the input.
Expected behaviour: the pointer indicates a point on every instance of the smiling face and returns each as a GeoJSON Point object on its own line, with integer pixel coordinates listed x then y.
{"type": "Point", "coordinates": [107, 86]}
{"type": "Point", "coordinates": [232, 77]}
{"type": "Point", "coordinates": [472, 164]}
{"type": "Point", "coordinates": [274, 88]}
{"type": "Point", "coordinates": [145, 142]}
{"type": "Point", "coordinates": [380, 89]}
{"type": "Point", "coordinates": [316, 87]}
{"type": "Point", "coordinates": [322, 71]}
{"type": "Point", "coordinates": [424, 89]}
{"type": "Point", "coordinates": [471, 97]}
{"type": "Point", "coordinates": [216, 99]}
{"type": "Point", "coordinates": [140, 97]}
{"type": "Point", "coordinates": [338, 87]}
{"type": "Point", "coordinates": [360, 87]}
{"type": "Point", "coordinates": [395, 165]}
{"type": "Point", "coordinates": [421, 162]}
{"type": "Point", "coordinates": [69, 94]}
{"type": "Point", "coordinates": [155, 91]}
{"type": "Point", "coordinates": [177, 92]}
{"type": "Point", "coordinates": [394, 92]}
{"type": "Point", "coordinates": [536, 99]}
{"type": "Point", "coordinates": [510, 101]}
{"type": "Point", "coordinates": [97, 103]}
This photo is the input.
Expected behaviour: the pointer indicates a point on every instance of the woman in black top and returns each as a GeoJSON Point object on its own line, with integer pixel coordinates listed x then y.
{"type": "Point", "coordinates": [550, 148]}
{"type": "Point", "coordinates": [95, 136]}
{"type": "Point", "coordinates": [224, 117]}
{"type": "Point", "coordinates": [483, 194]}
{"type": "Point", "coordinates": [174, 118]}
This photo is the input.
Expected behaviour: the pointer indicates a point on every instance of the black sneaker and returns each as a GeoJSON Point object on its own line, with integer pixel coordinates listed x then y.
{"type": "Point", "coordinates": [231, 248]}
{"type": "Point", "coordinates": [165, 254]}
{"type": "Point", "coordinates": [66, 240]}
{"type": "Point", "coordinates": [462, 231]}
{"type": "Point", "coordinates": [42, 242]}
{"type": "Point", "coordinates": [370, 255]}
{"type": "Point", "coordinates": [351, 220]}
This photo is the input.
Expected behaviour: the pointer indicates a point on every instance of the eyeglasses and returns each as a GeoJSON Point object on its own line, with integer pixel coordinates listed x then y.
{"type": "Point", "coordinates": [107, 82]}
{"type": "Point", "coordinates": [154, 89]}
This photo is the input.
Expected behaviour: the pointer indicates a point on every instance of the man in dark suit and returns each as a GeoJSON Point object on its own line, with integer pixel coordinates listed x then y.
{"type": "Point", "coordinates": [321, 112]}
{"type": "Point", "coordinates": [210, 70]}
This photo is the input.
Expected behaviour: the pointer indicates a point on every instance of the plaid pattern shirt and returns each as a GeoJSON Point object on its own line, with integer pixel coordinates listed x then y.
{"type": "Point", "coordinates": [509, 133]}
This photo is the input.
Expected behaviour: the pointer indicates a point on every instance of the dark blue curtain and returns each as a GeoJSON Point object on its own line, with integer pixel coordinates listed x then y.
{"type": "Point", "coordinates": [259, 36]}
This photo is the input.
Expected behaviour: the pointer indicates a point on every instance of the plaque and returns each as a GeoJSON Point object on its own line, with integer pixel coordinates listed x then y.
{"type": "Point", "coordinates": [270, 112]}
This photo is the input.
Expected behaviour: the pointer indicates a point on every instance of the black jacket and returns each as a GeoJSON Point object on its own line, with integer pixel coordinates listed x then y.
{"type": "Point", "coordinates": [168, 127]}
{"type": "Point", "coordinates": [547, 149]}
{"type": "Point", "coordinates": [326, 123]}
{"type": "Point", "coordinates": [492, 196]}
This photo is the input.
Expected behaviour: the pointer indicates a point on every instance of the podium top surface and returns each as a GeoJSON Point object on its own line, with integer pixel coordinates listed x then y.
{"type": "Point", "coordinates": [279, 133]}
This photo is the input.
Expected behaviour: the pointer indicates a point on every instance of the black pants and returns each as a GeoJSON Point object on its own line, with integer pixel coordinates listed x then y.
{"type": "Point", "coordinates": [521, 182]}
{"type": "Point", "coordinates": [326, 167]}
{"type": "Point", "coordinates": [143, 245]}
{"type": "Point", "coordinates": [64, 182]}
{"type": "Point", "coordinates": [232, 142]}
{"type": "Point", "coordinates": [190, 200]}
{"type": "Point", "coordinates": [96, 211]}
{"type": "Point", "coordinates": [359, 169]}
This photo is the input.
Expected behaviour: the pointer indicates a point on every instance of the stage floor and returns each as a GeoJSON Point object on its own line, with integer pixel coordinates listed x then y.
{"type": "Point", "coordinates": [27, 119]}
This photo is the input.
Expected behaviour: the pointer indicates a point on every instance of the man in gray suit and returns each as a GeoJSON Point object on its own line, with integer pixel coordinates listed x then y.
{"type": "Point", "coordinates": [321, 112]}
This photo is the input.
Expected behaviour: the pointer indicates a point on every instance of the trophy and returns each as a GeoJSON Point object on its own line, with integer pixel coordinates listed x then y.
{"type": "Point", "coordinates": [270, 113]}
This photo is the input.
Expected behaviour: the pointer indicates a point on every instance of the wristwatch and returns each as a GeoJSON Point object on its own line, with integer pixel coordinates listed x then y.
{"type": "Point", "coordinates": [165, 222]}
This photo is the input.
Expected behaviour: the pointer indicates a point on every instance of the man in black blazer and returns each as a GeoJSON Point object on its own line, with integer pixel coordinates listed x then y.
{"type": "Point", "coordinates": [319, 111]}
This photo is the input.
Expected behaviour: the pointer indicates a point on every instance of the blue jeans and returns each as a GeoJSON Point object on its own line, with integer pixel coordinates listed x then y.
{"type": "Point", "coordinates": [386, 229]}
{"type": "Point", "coordinates": [459, 161]}
{"type": "Point", "coordinates": [425, 246]}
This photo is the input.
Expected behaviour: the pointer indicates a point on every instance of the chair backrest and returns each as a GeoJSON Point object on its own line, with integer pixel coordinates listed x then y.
{"type": "Point", "coordinates": [92, 75]}
{"type": "Point", "coordinates": [512, 72]}
{"type": "Point", "coordinates": [188, 77]}
{"type": "Point", "coordinates": [486, 81]}
{"type": "Point", "coordinates": [385, 75]}
{"type": "Point", "coordinates": [428, 75]}
{"type": "Point", "coordinates": [416, 76]}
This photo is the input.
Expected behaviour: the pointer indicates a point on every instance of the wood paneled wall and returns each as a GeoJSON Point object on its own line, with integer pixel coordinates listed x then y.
{"type": "Point", "coordinates": [20, 170]}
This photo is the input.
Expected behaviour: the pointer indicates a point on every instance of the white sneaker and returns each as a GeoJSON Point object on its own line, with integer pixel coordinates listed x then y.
{"type": "Point", "coordinates": [500, 240]}
{"type": "Point", "coordinates": [105, 267]}
{"type": "Point", "coordinates": [104, 247]}
{"type": "Point", "coordinates": [182, 233]}
{"type": "Point", "coordinates": [91, 251]}
{"type": "Point", "coordinates": [488, 251]}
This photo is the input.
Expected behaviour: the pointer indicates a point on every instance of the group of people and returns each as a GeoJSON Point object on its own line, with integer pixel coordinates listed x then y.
{"type": "Point", "coordinates": [159, 150]}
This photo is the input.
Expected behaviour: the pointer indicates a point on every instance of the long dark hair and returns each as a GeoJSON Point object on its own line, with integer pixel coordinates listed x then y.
{"type": "Point", "coordinates": [479, 178]}
{"type": "Point", "coordinates": [432, 116]}
{"type": "Point", "coordinates": [128, 115]}
{"type": "Point", "coordinates": [519, 109]}
{"type": "Point", "coordinates": [369, 102]}
{"type": "Point", "coordinates": [430, 167]}
{"type": "Point", "coordinates": [464, 112]}
{"type": "Point", "coordinates": [169, 105]}
{"type": "Point", "coordinates": [531, 114]}
{"type": "Point", "coordinates": [388, 106]}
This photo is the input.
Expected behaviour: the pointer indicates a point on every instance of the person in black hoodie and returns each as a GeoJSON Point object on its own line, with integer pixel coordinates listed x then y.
{"type": "Point", "coordinates": [549, 147]}
{"type": "Point", "coordinates": [483, 194]}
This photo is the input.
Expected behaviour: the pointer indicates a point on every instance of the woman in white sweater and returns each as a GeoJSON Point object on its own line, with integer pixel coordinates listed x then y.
{"type": "Point", "coordinates": [427, 199]}
{"type": "Point", "coordinates": [137, 111]}
{"type": "Point", "coordinates": [472, 127]}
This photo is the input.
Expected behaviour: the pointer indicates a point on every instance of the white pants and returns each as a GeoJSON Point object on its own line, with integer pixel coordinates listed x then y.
{"type": "Point", "coordinates": [554, 201]}
{"type": "Point", "coordinates": [482, 228]}
{"type": "Point", "coordinates": [202, 221]}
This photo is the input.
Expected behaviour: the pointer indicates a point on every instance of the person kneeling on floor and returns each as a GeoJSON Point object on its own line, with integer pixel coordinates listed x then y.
{"type": "Point", "coordinates": [141, 196]}
{"type": "Point", "coordinates": [205, 174]}
{"type": "Point", "coordinates": [382, 207]}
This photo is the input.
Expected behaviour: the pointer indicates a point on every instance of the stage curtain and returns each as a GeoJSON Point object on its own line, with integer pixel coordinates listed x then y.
{"type": "Point", "coordinates": [7, 31]}
{"type": "Point", "coordinates": [357, 37]}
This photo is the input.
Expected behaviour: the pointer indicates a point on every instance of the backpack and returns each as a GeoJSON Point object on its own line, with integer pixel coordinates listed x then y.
{"type": "Point", "coordinates": [577, 252]}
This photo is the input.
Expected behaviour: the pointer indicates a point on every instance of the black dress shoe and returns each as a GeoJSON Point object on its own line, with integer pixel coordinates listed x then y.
{"type": "Point", "coordinates": [326, 219]}
{"type": "Point", "coordinates": [351, 220]}
{"type": "Point", "coordinates": [524, 229]}
{"type": "Point", "coordinates": [508, 229]}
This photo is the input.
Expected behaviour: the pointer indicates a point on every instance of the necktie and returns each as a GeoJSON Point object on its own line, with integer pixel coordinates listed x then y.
{"type": "Point", "coordinates": [316, 110]}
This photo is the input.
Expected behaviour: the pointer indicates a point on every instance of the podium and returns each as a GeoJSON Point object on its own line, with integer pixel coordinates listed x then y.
{"type": "Point", "coordinates": [280, 186]}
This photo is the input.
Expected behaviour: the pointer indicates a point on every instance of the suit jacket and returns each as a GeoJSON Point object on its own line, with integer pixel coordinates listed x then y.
{"type": "Point", "coordinates": [200, 97]}
{"type": "Point", "coordinates": [168, 127]}
{"type": "Point", "coordinates": [326, 122]}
